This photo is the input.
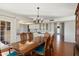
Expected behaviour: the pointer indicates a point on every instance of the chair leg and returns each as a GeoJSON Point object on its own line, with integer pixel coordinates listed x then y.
{"type": "Point", "coordinates": [74, 51]}
{"type": "Point", "coordinates": [31, 53]}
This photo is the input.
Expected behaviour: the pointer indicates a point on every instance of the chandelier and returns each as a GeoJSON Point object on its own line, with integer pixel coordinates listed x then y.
{"type": "Point", "coordinates": [38, 19]}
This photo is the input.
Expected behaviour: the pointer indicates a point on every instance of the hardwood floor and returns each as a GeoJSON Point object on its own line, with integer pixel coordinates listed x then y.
{"type": "Point", "coordinates": [61, 48]}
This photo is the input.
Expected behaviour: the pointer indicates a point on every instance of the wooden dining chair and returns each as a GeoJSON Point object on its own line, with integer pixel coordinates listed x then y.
{"type": "Point", "coordinates": [42, 49]}
{"type": "Point", "coordinates": [52, 45]}
{"type": "Point", "coordinates": [49, 46]}
{"type": "Point", "coordinates": [30, 36]}
{"type": "Point", "coordinates": [46, 35]}
{"type": "Point", "coordinates": [37, 39]}
{"type": "Point", "coordinates": [23, 37]}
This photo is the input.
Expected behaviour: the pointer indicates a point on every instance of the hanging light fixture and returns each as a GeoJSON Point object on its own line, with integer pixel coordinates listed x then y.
{"type": "Point", "coordinates": [38, 19]}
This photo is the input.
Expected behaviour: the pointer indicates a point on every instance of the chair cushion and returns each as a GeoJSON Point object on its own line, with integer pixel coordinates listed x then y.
{"type": "Point", "coordinates": [40, 50]}
{"type": "Point", "coordinates": [12, 54]}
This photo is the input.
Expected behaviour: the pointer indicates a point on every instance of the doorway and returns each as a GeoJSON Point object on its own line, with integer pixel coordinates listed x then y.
{"type": "Point", "coordinates": [59, 31]}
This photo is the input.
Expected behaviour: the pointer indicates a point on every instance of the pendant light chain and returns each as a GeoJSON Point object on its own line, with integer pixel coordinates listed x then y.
{"type": "Point", "coordinates": [38, 12]}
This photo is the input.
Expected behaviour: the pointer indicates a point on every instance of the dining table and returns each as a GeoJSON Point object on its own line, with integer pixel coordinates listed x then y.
{"type": "Point", "coordinates": [26, 48]}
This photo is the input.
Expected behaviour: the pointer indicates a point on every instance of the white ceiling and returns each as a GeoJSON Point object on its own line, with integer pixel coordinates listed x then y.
{"type": "Point", "coordinates": [49, 10]}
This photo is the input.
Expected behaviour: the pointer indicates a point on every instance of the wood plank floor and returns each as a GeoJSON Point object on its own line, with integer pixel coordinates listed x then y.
{"type": "Point", "coordinates": [62, 48]}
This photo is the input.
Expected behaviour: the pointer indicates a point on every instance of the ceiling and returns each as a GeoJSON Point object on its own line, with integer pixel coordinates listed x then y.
{"type": "Point", "coordinates": [47, 10]}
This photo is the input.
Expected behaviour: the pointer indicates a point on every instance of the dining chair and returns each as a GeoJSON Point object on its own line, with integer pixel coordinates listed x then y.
{"type": "Point", "coordinates": [42, 49]}
{"type": "Point", "coordinates": [37, 39]}
{"type": "Point", "coordinates": [47, 46]}
{"type": "Point", "coordinates": [7, 52]}
{"type": "Point", "coordinates": [23, 37]}
{"type": "Point", "coordinates": [30, 36]}
{"type": "Point", "coordinates": [52, 44]}
{"type": "Point", "coordinates": [14, 53]}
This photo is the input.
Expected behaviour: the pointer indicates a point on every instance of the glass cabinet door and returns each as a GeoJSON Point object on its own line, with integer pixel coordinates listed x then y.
{"type": "Point", "coordinates": [5, 32]}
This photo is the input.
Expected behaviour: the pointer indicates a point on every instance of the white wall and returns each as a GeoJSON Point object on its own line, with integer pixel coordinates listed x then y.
{"type": "Point", "coordinates": [69, 31]}
{"type": "Point", "coordinates": [51, 26]}
{"type": "Point", "coordinates": [68, 18]}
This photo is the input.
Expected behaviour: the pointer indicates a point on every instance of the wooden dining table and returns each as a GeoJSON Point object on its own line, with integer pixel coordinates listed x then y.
{"type": "Point", "coordinates": [25, 48]}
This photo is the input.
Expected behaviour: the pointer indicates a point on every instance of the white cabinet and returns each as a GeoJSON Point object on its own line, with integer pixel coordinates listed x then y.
{"type": "Point", "coordinates": [5, 32]}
